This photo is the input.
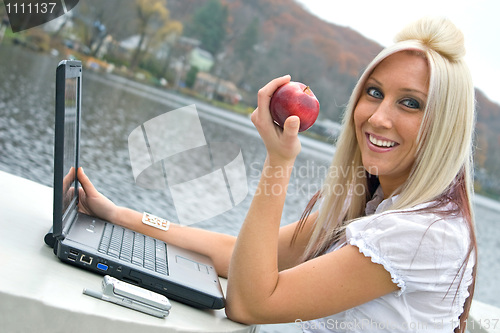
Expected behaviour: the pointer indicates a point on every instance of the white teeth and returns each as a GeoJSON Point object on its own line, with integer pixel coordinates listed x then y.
{"type": "Point", "coordinates": [381, 143]}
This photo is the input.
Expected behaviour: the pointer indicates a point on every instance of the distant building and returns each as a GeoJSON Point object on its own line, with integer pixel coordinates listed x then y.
{"type": "Point", "coordinates": [201, 59]}
{"type": "Point", "coordinates": [131, 43]}
{"type": "Point", "coordinates": [212, 87]}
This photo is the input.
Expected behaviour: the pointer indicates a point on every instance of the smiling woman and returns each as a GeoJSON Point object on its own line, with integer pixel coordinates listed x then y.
{"type": "Point", "coordinates": [409, 123]}
{"type": "Point", "coordinates": [398, 254]}
{"type": "Point", "coordinates": [388, 117]}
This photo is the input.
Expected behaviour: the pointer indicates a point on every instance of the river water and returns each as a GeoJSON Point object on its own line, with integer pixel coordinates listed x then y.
{"type": "Point", "coordinates": [112, 107]}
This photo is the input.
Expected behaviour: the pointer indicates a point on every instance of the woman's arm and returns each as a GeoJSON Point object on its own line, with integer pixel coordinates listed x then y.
{"type": "Point", "coordinates": [320, 287]}
{"type": "Point", "coordinates": [217, 246]}
{"type": "Point", "coordinates": [291, 255]}
{"type": "Point", "coordinates": [258, 292]}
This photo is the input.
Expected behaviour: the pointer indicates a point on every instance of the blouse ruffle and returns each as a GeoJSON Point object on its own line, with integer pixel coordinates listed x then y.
{"type": "Point", "coordinates": [422, 251]}
{"type": "Point", "coordinates": [373, 254]}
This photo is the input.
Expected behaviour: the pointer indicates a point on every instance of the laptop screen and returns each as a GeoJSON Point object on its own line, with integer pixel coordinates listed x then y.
{"type": "Point", "coordinates": [66, 147]}
{"type": "Point", "coordinates": [70, 130]}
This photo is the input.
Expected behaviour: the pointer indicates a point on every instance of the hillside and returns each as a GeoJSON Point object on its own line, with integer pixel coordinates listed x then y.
{"type": "Point", "coordinates": [290, 41]}
{"type": "Point", "coordinates": [487, 146]}
{"type": "Point", "coordinates": [327, 57]}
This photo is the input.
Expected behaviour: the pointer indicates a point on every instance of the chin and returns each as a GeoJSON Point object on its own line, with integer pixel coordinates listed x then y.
{"type": "Point", "coordinates": [373, 168]}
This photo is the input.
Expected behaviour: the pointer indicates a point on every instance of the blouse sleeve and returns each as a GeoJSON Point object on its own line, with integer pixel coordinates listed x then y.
{"type": "Point", "coordinates": [421, 251]}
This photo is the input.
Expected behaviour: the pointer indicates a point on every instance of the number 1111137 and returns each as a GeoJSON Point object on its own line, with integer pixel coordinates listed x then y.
{"type": "Point", "coordinates": [30, 8]}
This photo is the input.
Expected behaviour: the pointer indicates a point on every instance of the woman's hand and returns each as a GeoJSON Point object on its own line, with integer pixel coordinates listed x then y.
{"type": "Point", "coordinates": [282, 145]}
{"type": "Point", "coordinates": [92, 202]}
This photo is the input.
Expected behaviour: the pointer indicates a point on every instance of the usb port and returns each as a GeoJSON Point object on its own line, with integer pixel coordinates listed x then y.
{"type": "Point", "coordinates": [86, 259]}
{"type": "Point", "coordinates": [74, 252]}
{"type": "Point", "coordinates": [102, 267]}
{"type": "Point", "coordinates": [72, 257]}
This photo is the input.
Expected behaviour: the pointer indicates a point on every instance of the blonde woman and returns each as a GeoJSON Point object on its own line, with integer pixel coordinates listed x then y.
{"type": "Point", "coordinates": [391, 248]}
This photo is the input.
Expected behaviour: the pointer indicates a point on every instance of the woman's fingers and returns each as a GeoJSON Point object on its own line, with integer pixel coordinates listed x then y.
{"type": "Point", "coordinates": [262, 113]}
{"type": "Point", "coordinates": [291, 127]}
{"type": "Point", "coordinates": [266, 92]}
{"type": "Point", "coordinates": [87, 185]}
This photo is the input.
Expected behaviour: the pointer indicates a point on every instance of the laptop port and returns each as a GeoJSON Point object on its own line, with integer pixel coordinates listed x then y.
{"type": "Point", "coordinates": [86, 259]}
{"type": "Point", "coordinates": [102, 266]}
{"type": "Point", "coordinates": [72, 257]}
{"type": "Point", "coordinates": [74, 252]}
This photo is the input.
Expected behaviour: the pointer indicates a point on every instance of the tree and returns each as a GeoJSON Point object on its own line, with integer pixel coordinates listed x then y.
{"type": "Point", "coordinates": [168, 35]}
{"type": "Point", "coordinates": [149, 13]}
{"type": "Point", "coordinates": [209, 26]}
{"type": "Point", "coordinates": [191, 77]}
{"type": "Point", "coordinates": [101, 18]}
{"type": "Point", "coordinates": [153, 20]}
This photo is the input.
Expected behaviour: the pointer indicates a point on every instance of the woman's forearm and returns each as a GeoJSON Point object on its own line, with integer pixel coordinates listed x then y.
{"type": "Point", "coordinates": [253, 272]}
{"type": "Point", "coordinates": [217, 246]}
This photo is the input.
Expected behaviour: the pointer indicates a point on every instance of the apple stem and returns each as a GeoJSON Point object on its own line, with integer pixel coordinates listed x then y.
{"type": "Point", "coordinates": [306, 88]}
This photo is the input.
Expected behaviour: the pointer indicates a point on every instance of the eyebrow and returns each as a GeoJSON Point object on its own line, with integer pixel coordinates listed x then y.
{"type": "Point", "coordinates": [403, 89]}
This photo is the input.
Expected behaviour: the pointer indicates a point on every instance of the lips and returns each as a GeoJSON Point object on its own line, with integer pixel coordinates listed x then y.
{"type": "Point", "coordinates": [380, 144]}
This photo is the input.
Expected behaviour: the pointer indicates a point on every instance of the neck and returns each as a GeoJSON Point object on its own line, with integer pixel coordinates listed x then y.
{"type": "Point", "coordinates": [390, 185]}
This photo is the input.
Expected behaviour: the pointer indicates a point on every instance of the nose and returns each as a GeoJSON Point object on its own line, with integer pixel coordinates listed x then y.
{"type": "Point", "coordinates": [381, 116]}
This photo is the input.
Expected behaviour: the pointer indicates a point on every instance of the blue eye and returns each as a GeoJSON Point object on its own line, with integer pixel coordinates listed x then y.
{"type": "Point", "coordinates": [374, 92]}
{"type": "Point", "coordinates": [411, 103]}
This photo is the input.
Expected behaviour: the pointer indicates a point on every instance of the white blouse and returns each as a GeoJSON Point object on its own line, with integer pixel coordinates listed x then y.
{"type": "Point", "coordinates": [423, 252]}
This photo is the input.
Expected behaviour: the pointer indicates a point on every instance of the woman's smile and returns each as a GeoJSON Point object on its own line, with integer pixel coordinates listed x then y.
{"type": "Point", "coordinates": [380, 144]}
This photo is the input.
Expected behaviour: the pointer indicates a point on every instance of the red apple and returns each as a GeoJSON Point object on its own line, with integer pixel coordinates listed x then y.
{"type": "Point", "coordinates": [294, 99]}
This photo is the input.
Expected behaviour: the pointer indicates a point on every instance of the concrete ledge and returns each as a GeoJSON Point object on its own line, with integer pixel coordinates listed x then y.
{"type": "Point", "coordinates": [483, 318]}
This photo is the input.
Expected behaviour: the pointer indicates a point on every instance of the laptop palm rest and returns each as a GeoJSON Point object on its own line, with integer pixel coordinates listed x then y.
{"type": "Point", "coordinates": [86, 230]}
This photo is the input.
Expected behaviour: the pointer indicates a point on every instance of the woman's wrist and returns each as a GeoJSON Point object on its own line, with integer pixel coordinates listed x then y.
{"type": "Point", "coordinates": [278, 167]}
{"type": "Point", "coordinates": [120, 216]}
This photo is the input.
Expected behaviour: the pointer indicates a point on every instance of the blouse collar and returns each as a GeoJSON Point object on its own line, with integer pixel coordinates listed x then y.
{"type": "Point", "coordinates": [377, 204]}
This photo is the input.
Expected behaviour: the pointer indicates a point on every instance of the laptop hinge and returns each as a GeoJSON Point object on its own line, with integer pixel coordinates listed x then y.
{"type": "Point", "coordinates": [71, 218]}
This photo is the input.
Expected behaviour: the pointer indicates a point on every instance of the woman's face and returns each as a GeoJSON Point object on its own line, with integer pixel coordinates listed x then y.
{"type": "Point", "coordinates": [388, 117]}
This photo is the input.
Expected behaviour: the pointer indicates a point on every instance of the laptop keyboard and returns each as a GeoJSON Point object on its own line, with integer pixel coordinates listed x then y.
{"type": "Point", "coordinates": [134, 248]}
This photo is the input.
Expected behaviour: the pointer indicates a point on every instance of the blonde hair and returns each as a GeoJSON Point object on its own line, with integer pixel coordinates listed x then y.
{"type": "Point", "coordinates": [442, 171]}
{"type": "Point", "coordinates": [444, 141]}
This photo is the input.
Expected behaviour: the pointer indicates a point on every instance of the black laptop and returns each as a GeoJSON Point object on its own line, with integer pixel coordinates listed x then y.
{"type": "Point", "coordinates": [101, 247]}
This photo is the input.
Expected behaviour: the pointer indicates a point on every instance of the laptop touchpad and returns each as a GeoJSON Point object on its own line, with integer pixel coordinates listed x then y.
{"type": "Point", "coordinates": [191, 264]}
